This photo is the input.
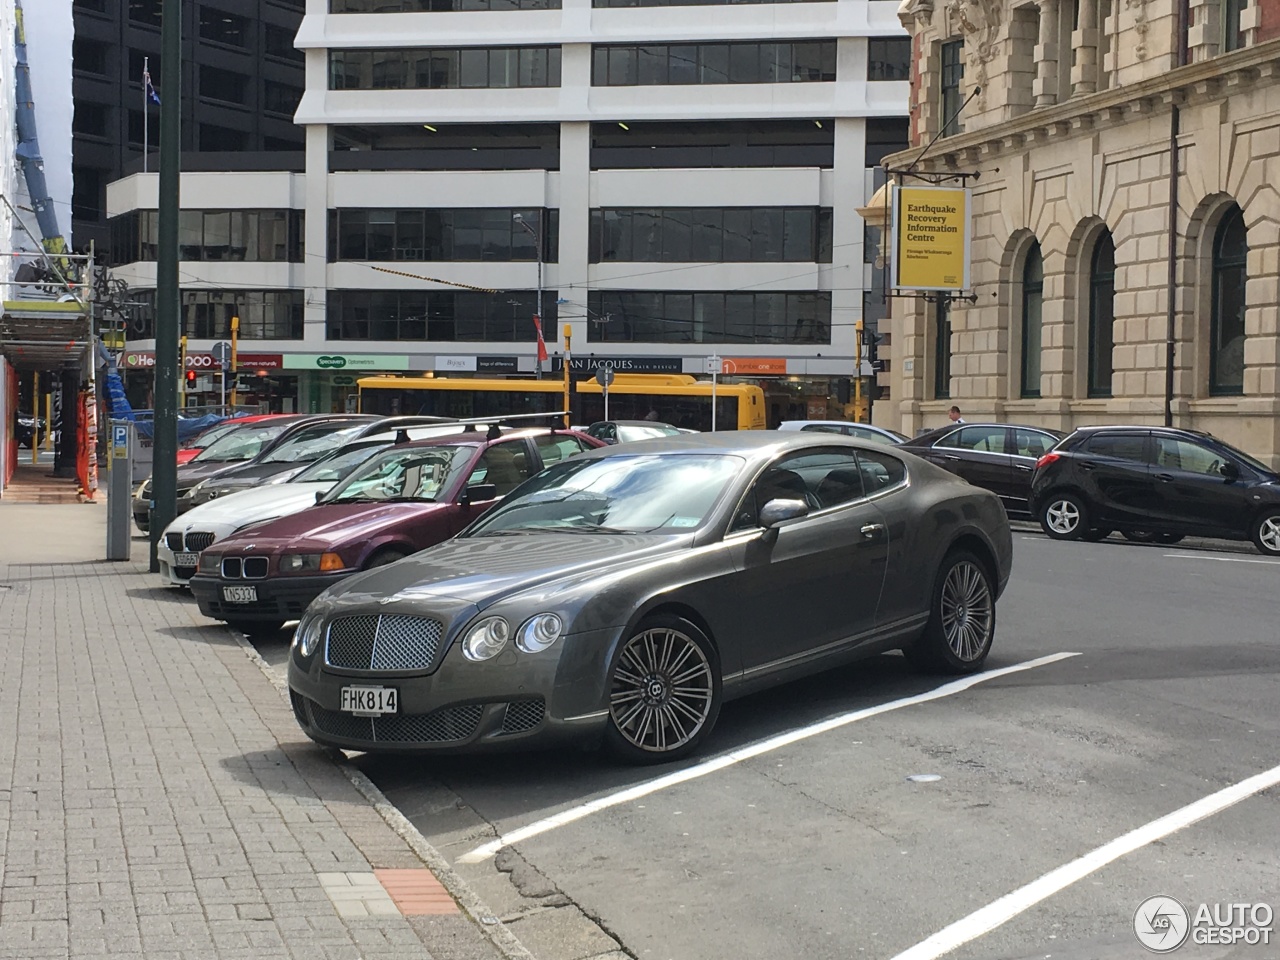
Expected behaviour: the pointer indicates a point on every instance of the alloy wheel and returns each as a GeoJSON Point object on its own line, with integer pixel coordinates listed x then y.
{"type": "Point", "coordinates": [663, 690]}
{"type": "Point", "coordinates": [1063, 516]}
{"type": "Point", "coordinates": [966, 611]}
{"type": "Point", "coordinates": [1269, 534]}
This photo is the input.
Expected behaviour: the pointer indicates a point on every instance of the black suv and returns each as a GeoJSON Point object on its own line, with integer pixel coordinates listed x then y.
{"type": "Point", "coordinates": [1155, 482]}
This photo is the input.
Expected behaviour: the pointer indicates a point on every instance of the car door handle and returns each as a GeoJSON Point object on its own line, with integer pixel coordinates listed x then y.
{"type": "Point", "coordinates": [1165, 477]}
{"type": "Point", "coordinates": [949, 456]}
{"type": "Point", "coordinates": [1023, 466]}
{"type": "Point", "coordinates": [1087, 465]}
{"type": "Point", "coordinates": [872, 531]}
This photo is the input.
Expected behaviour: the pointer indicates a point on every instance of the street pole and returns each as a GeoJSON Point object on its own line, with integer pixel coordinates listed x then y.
{"type": "Point", "coordinates": [164, 470]}
{"type": "Point", "coordinates": [857, 378]}
{"type": "Point", "coordinates": [235, 338]}
{"type": "Point", "coordinates": [713, 364]}
{"type": "Point", "coordinates": [568, 412]}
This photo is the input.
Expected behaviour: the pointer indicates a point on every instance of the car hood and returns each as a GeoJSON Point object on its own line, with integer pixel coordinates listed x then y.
{"type": "Point", "coordinates": [189, 474]}
{"type": "Point", "coordinates": [484, 570]}
{"type": "Point", "coordinates": [250, 506]}
{"type": "Point", "coordinates": [329, 525]}
{"type": "Point", "coordinates": [256, 472]}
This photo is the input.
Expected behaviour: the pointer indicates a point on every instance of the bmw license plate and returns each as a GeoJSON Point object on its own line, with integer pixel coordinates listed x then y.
{"type": "Point", "coordinates": [186, 559]}
{"type": "Point", "coordinates": [240, 594]}
{"type": "Point", "coordinates": [370, 701]}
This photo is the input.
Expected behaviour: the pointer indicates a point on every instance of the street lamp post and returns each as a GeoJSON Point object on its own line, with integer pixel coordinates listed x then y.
{"type": "Point", "coordinates": [537, 242]}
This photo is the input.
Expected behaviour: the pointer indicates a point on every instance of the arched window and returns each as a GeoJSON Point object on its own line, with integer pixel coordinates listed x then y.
{"type": "Point", "coordinates": [1032, 320]}
{"type": "Point", "coordinates": [1226, 320]}
{"type": "Point", "coordinates": [1102, 315]}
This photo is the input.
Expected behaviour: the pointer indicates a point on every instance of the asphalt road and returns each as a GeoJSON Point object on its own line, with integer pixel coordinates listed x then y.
{"type": "Point", "coordinates": [822, 847]}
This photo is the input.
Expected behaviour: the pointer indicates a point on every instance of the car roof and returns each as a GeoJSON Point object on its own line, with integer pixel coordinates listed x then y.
{"type": "Point", "coordinates": [948, 428]}
{"type": "Point", "coordinates": [477, 437]}
{"type": "Point", "coordinates": [636, 423]}
{"type": "Point", "coordinates": [752, 444]}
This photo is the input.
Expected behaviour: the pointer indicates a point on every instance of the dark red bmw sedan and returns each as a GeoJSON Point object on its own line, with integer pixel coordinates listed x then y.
{"type": "Point", "coordinates": [405, 499]}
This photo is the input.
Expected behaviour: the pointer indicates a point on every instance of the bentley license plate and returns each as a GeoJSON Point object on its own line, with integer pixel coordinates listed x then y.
{"type": "Point", "coordinates": [369, 701]}
{"type": "Point", "coordinates": [240, 594]}
{"type": "Point", "coordinates": [186, 559]}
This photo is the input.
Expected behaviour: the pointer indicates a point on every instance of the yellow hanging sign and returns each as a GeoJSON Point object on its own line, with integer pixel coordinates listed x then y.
{"type": "Point", "coordinates": [931, 238]}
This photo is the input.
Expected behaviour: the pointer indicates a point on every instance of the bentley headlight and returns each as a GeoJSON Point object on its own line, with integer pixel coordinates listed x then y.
{"type": "Point", "coordinates": [486, 639]}
{"type": "Point", "coordinates": [307, 637]}
{"type": "Point", "coordinates": [539, 632]}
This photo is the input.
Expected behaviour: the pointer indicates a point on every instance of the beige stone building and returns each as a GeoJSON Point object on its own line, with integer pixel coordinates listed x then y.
{"type": "Point", "coordinates": [1070, 110]}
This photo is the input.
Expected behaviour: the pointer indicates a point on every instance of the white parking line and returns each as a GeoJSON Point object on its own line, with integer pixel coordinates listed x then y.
{"type": "Point", "coordinates": [1010, 905]}
{"type": "Point", "coordinates": [1192, 556]}
{"type": "Point", "coordinates": [485, 851]}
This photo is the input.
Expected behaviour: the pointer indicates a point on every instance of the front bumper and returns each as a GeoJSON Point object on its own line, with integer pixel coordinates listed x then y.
{"type": "Point", "coordinates": [279, 598]}
{"type": "Point", "coordinates": [170, 572]}
{"type": "Point", "coordinates": [514, 700]}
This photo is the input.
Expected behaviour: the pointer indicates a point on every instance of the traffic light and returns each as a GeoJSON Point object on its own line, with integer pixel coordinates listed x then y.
{"type": "Point", "coordinates": [191, 379]}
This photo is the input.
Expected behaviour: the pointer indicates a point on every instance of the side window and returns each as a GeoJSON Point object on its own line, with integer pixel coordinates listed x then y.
{"type": "Point", "coordinates": [880, 471]}
{"type": "Point", "coordinates": [823, 428]}
{"type": "Point", "coordinates": [982, 439]}
{"type": "Point", "coordinates": [505, 465]}
{"type": "Point", "coordinates": [604, 431]}
{"type": "Point", "coordinates": [553, 448]}
{"type": "Point", "coordinates": [1174, 454]}
{"type": "Point", "coordinates": [1032, 443]}
{"type": "Point", "coordinates": [1121, 446]}
{"type": "Point", "coordinates": [823, 479]}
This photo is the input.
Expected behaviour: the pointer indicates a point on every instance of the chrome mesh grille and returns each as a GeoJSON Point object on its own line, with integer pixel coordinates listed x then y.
{"type": "Point", "coordinates": [386, 642]}
{"type": "Point", "coordinates": [439, 726]}
{"type": "Point", "coordinates": [198, 541]}
{"type": "Point", "coordinates": [173, 541]}
{"type": "Point", "coordinates": [522, 715]}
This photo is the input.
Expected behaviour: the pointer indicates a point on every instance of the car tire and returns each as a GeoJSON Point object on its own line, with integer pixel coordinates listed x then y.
{"type": "Point", "coordinates": [648, 721]}
{"type": "Point", "coordinates": [1096, 534]}
{"type": "Point", "coordinates": [384, 558]}
{"type": "Point", "coordinates": [256, 628]}
{"type": "Point", "coordinates": [1266, 533]}
{"type": "Point", "coordinates": [962, 618]}
{"type": "Point", "coordinates": [1064, 516]}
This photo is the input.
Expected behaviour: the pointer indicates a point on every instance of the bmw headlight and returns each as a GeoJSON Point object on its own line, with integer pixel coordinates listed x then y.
{"type": "Point", "coordinates": [539, 632]}
{"type": "Point", "coordinates": [307, 637]}
{"type": "Point", "coordinates": [310, 563]}
{"type": "Point", "coordinates": [486, 639]}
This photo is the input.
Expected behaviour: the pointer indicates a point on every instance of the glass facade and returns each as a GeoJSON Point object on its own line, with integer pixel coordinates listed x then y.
{"type": "Point", "coordinates": [466, 234]}
{"type": "Point", "coordinates": [413, 6]}
{"type": "Point", "coordinates": [712, 235]}
{"type": "Point", "coordinates": [713, 143]}
{"type": "Point", "coordinates": [206, 314]}
{"type": "Point", "coordinates": [442, 68]}
{"type": "Point", "coordinates": [889, 58]}
{"type": "Point", "coordinates": [644, 316]}
{"type": "Point", "coordinates": [238, 235]}
{"type": "Point", "coordinates": [800, 61]}
{"type": "Point", "coordinates": [1226, 322]}
{"type": "Point", "coordinates": [442, 315]}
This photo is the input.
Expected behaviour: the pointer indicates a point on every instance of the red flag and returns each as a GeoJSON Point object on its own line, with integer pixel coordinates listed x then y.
{"type": "Point", "coordinates": [542, 344]}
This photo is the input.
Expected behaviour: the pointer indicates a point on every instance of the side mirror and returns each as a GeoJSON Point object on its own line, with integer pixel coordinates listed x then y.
{"type": "Point", "coordinates": [320, 495]}
{"type": "Point", "coordinates": [1229, 470]}
{"type": "Point", "coordinates": [776, 511]}
{"type": "Point", "coordinates": [479, 492]}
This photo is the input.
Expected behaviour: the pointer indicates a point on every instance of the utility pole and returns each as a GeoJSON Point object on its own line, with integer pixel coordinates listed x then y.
{"type": "Point", "coordinates": [857, 372]}
{"type": "Point", "coordinates": [568, 376]}
{"type": "Point", "coordinates": [164, 470]}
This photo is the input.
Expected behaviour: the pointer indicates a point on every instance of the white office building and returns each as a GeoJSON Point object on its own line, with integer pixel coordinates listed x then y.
{"type": "Point", "coordinates": [691, 173]}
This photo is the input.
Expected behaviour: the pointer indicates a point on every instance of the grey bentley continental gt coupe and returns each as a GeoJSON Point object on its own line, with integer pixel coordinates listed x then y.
{"type": "Point", "coordinates": [623, 594]}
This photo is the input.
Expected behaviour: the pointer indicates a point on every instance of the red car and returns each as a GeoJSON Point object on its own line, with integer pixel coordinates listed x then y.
{"type": "Point", "coordinates": [405, 499]}
{"type": "Point", "coordinates": [202, 440]}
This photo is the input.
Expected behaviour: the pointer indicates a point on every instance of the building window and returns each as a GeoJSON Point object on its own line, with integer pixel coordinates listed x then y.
{"type": "Point", "coordinates": [206, 314]}
{"type": "Point", "coordinates": [279, 43]}
{"type": "Point", "coordinates": [713, 143]}
{"type": "Point", "coordinates": [1102, 315]}
{"type": "Point", "coordinates": [711, 235]}
{"type": "Point", "coordinates": [90, 119]}
{"type": "Point", "coordinates": [886, 135]}
{"type": "Point", "coordinates": [219, 26]}
{"type": "Point", "coordinates": [444, 316]}
{"type": "Point", "coordinates": [1232, 35]}
{"type": "Point", "coordinates": [1032, 320]}
{"type": "Point", "coordinates": [442, 68]}
{"type": "Point", "coordinates": [152, 121]}
{"type": "Point", "coordinates": [801, 61]}
{"type": "Point", "coordinates": [97, 6]}
{"type": "Point", "coordinates": [282, 98]}
{"type": "Point", "coordinates": [951, 80]}
{"type": "Point", "coordinates": [223, 85]}
{"type": "Point", "coordinates": [644, 316]}
{"type": "Point", "coordinates": [221, 139]}
{"type": "Point", "coordinates": [89, 57]}
{"type": "Point", "coordinates": [86, 195]}
{"type": "Point", "coordinates": [411, 6]}
{"type": "Point", "coordinates": [942, 348]}
{"type": "Point", "coordinates": [236, 235]}
{"type": "Point", "coordinates": [462, 146]}
{"type": "Point", "coordinates": [145, 12]}
{"type": "Point", "coordinates": [889, 58]}
{"type": "Point", "coordinates": [482, 235]}
{"type": "Point", "coordinates": [1226, 321]}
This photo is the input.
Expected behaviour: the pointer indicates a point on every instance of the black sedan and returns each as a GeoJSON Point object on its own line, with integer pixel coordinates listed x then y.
{"type": "Point", "coordinates": [998, 456]}
{"type": "Point", "coordinates": [1156, 483]}
{"type": "Point", "coordinates": [624, 594]}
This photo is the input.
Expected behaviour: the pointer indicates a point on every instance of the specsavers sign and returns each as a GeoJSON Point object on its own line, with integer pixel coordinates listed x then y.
{"type": "Point", "coordinates": [344, 362]}
{"type": "Point", "coordinates": [931, 238]}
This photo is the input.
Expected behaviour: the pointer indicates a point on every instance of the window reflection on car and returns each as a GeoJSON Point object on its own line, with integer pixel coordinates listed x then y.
{"type": "Point", "coordinates": [243, 444]}
{"type": "Point", "coordinates": [313, 443]}
{"type": "Point", "coordinates": [414, 474]}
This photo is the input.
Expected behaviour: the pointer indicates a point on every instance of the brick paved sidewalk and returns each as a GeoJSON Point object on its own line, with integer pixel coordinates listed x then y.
{"type": "Point", "coordinates": [157, 799]}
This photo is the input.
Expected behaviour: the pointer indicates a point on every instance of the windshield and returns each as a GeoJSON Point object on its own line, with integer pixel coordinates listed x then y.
{"type": "Point", "coordinates": [404, 474]}
{"type": "Point", "coordinates": [202, 440]}
{"type": "Point", "coordinates": [312, 444]}
{"type": "Point", "coordinates": [629, 433]}
{"type": "Point", "coordinates": [242, 443]}
{"type": "Point", "coordinates": [337, 465]}
{"type": "Point", "coordinates": [672, 493]}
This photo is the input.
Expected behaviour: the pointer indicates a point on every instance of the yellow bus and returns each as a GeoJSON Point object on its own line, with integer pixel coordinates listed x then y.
{"type": "Point", "coordinates": [677, 399]}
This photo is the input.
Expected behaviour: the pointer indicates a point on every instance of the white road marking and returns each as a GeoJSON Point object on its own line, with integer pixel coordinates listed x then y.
{"type": "Point", "coordinates": [1192, 556]}
{"type": "Point", "coordinates": [1010, 905]}
{"type": "Point", "coordinates": [487, 850]}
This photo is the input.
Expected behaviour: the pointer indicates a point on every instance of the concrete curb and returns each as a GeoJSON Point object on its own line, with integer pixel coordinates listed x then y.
{"type": "Point", "coordinates": [468, 900]}
{"type": "Point", "coordinates": [1191, 543]}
